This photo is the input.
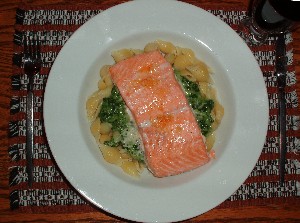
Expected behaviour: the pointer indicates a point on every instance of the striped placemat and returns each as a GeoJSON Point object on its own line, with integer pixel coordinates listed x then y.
{"type": "Point", "coordinates": [52, 193]}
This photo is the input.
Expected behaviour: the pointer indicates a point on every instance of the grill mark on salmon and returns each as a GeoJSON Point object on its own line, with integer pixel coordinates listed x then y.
{"type": "Point", "coordinates": [172, 139]}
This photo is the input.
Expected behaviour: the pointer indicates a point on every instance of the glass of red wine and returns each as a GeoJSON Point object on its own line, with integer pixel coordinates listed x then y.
{"type": "Point", "coordinates": [267, 18]}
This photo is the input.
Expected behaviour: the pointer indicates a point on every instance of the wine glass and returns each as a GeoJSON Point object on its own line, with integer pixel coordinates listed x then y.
{"type": "Point", "coordinates": [267, 18]}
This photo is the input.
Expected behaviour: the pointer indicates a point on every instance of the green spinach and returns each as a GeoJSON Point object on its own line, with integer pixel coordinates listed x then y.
{"type": "Point", "coordinates": [201, 106]}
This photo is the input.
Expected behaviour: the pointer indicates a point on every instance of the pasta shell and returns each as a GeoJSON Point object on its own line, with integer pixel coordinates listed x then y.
{"type": "Point", "coordinates": [95, 128]}
{"type": "Point", "coordinates": [104, 71]}
{"type": "Point", "coordinates": [122, 54]}
{"type": "Point", "coordinates": [111, 155]}
{"type": "Point", "coordinates": [199, 71]}
{"type": "Point", "coordinates": [130, 168]}
{"type": "Point", "coordinates": [151, 47]}
{"type": "Point", "coordinates": [104, 137]}
{"type": "Point", "coordinates": [93, 105]}
{"type": "Point", "coordinates": [165, 46]}
{"type": "Point", "coordinates": [105, 128]}
{"type": "Point", "coordinates": [182, 61]}
{"type": "Point", "coordinates": [210, 140]}
{"type": "Point", "coordinates": [219, 111]}
{"type": "Point", "coordinates": [170, 57]}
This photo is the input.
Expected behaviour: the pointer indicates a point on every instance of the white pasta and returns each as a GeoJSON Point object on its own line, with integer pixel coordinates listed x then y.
{"type": "Point", "coordinates": [101, 85]}
{"type": "Point", "coordinates": [93, 105]}
{"type": "Point", "coordinates": [107, 80]}
{"type": "Point", "coordinates": [208, 90]}
{"type": "Point", "coordinates": [131, 168]}
{"type": "Point", "coordinates": [151, 47]}
{"type": "Point", "coordinates": [106, 91]}
{"type": "Point", "coordinates": [219, 111]}
{"type": "Point", "coordinates": [95, 128]}
{"type": "Point", "coordinates": [104, 137]}
{"type": "Point", "coordinates": [137, 51]}
{"type": "Point", "coordinates": [122, 54]}
{"type": "Point", "coordinates": [166, 47]}
{"type": "Point", "coordinates": [170, 57]}
{"type": "Point", "coordinates": [105, 128]}
{"type": "Point", "coordinates": [204, 89]}
{"type": "Point", "coordinates": [125, 155]}
{"type": "Point", "coordinates": [188, 75]}
{"type": "Point", "coordinates": [188, 52]}
{"type": "Point", "coordinates": [104, 71]}
{"type": "Point", "coordinates": [182, 61]}
{"type": "Point", "coordinates": [210, 140]}
{"type": "Point", "coordinates": [200, 72]}
{"type": "Point", "coordinates": [111, 155]}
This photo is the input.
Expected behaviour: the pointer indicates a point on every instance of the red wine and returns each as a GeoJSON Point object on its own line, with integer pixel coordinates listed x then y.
{"type": "Point", "coordinates": [287, 8]}
{"type": "Point", "coordinates": [276, 16]}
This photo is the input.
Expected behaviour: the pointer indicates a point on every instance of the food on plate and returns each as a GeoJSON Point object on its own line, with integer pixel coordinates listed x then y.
{"type": "Point", "coordinates": [156, 108]}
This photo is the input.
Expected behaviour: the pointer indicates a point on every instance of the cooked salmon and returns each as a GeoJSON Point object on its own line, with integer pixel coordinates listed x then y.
{"type": "Point", "coordinates": [172, 139]}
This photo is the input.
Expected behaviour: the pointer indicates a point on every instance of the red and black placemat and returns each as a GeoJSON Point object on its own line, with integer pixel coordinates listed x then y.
{"type": "Point", "coordinates": [52, 193]}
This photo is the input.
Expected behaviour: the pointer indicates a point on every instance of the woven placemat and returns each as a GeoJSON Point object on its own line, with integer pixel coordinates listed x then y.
{"type": "Point", "coordinates": [52, 193]}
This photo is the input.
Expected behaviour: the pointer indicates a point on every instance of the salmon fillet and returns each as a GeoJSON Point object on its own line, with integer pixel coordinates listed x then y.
{"type": "Point", "coordinates": [172, 139]}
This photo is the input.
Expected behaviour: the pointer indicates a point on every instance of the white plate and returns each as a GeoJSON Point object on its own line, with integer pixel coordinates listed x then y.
{"type": "Point", "coordinates": [241, 90]}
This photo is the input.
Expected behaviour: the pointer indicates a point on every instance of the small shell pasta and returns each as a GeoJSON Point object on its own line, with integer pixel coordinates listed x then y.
{"type": "Point", "coordinates": [105, 92]}
{"type": "Point", "coordinates": [219, 112]}
{"type": "Point", "coordinates": [101, 85]}
{"type": "Point", "coordinates": [182, 61]}
{"type": "Point", "coordinates": [125, 155]}
{"type": "Point", "coordinates": [207, 90]}
{"type": "Point", "coordinates": [151, 47]}
{"type": "Point", "coordinates": [104, 137]}
{"type": "Point", "coordinates": [93, 105]}
{"type": "Point", "coordinates": [200, 72]}
{"type": "Point", "coordinates": [130, 168]}
{"type": "Point", "coordinates": [170, 57]}
{"type": "Point", "coordinates": [108, 81]}
{"type": "Point", "coordinates": [210, 140]}
{"type": "Point", "coordinates": [214, 125]}
{"type": "Point", "coordinates": [104, 71]}
{"type": "Point", "coordinates": [111, 155]}
{"type": "Point", "coordinates": [188, 75]}
{"type": "Point", "coordinates": [188, 52]}
{"type": "Point", "coordinates": [204, 89]}
{"type": "Point", "coordinates": [122, 54]}
{"type": "Point", "coordinates": [137, 51]}
{"type": "Point", "coordinates": [178, 50]}
{"type": "Point", "coordinates": [95, 128]}
{"type": "Point", "coordinates": [105, 128]}
{"type": "Point", "coordinates": [166, 47]}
